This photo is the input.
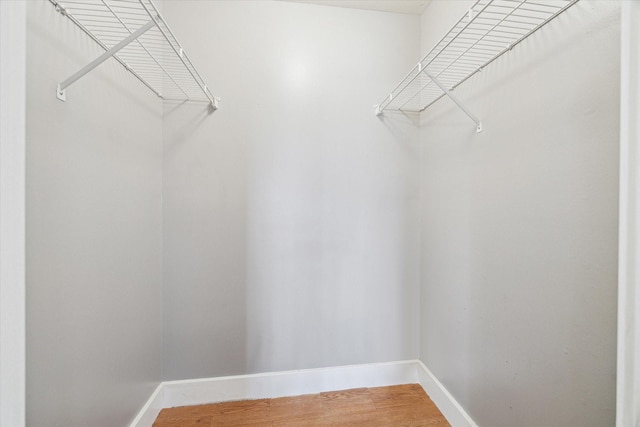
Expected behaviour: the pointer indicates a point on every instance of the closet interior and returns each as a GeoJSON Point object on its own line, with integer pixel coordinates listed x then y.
{"type": "Point", "coordinates": [279, 238]}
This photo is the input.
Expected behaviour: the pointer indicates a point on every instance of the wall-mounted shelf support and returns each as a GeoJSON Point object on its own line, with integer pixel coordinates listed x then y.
{"type": "Point", "coordinates": [60, 92]}
{"type": "Point", "coordinates": [134, 33]}
{"type": "Point", "coordinates": [455, 100]}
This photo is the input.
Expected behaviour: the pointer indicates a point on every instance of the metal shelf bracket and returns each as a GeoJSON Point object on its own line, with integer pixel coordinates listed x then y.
{"type": "Point", "coordinates": [455, 100]}
{"type": "Point", "coordinates": [61, 90]}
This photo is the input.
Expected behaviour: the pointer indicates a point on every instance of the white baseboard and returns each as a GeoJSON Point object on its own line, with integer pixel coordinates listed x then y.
{"type": "Point", "coordinates": [294, 383]}
{"type": "Point", "coordinates": [448, 405]}
{"type": "Point", "coordinates": [288, 383]}
{"type": "Point", "coordinates": [151, 409]}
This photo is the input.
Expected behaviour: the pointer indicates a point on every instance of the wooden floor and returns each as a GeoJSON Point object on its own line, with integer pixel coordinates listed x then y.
{"type": "Point", "coordinates": [403, 405]}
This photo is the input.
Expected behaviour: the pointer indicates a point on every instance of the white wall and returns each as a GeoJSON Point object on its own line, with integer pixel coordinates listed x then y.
{"type": "Point", "coordinates": [519, 226]}
{"type": "Point", "coordinates": [628, 383]}
{"type": "Point", "coordinates": [12, 222]}
{"type": "Point", "coordinates": [290, 215]}
{"type": "Point", "coordinates": [93, 233]}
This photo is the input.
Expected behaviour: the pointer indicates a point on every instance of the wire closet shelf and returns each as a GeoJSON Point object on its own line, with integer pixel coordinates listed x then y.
{"type": "Point", "coordinates": [134, 33]}
{"type": "Point", "coordinates": [488, 30]}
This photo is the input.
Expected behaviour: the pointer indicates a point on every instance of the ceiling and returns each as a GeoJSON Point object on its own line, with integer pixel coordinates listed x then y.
{"type": "Point", "coordinates": [414, 7]}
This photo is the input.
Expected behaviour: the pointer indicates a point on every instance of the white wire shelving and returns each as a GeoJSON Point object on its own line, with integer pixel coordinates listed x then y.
{"type": "Point", "coordinates": [488, 30]}
{"type": "Point", "coordinates": [134, 33]}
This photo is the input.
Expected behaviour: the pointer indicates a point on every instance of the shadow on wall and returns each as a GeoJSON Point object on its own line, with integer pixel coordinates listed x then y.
{"type": "Point", "coordinates": [327, 250]}
{"type": "Point", "coordinates": [204, 205]}
{"type": "Point", "coordinates": [400, 123]}
{"type": "Point", "coordinates": [199, 113]}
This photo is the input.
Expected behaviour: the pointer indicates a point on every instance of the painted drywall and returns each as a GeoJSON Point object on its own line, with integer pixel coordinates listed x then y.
{"type": "Point", "coordinates": [291, 214]}
{"type": "Point", "coordinates": [13, 23]}
{"type": "Point", "coordinates": [628, 368]}
{"type": "Point", "coordinates": [519, 226]}
{"type": "Point", "coordinates": [93, 232]}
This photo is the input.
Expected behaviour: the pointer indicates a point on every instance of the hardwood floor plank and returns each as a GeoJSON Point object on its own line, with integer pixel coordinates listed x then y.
{"type": "Point", "coordinates": [246, 413]}
{"type": "Point", "coordinates": [405, 405]}
{"type": "Point", "coordinates": [297, 408]}
{"type": "Point", "coordinates": [354, 403]}
{"type": "Point", "coordinates": [183, 422]}
{"type": "Point", "coordinates": [414, 416]}
{"type": "Point", "coordinates": [241, 407]}
{"type": "Point", "coordinates": [342, 398]}
{"type": "Point", "coordinates": [390, 397]}
{"type": "Point", "coordinates": [239, 423]}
